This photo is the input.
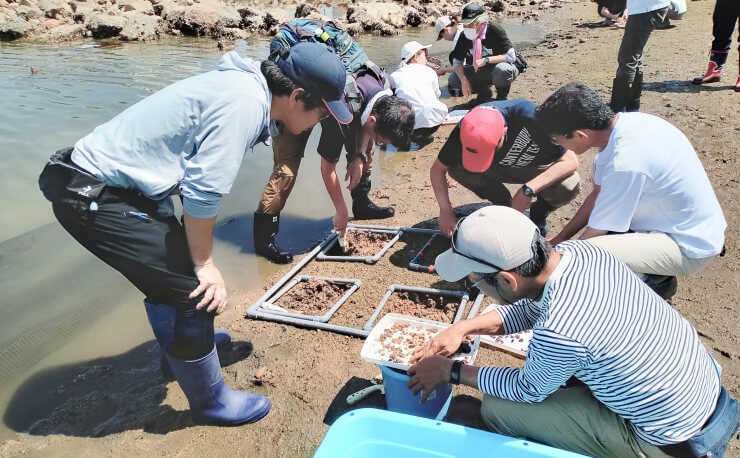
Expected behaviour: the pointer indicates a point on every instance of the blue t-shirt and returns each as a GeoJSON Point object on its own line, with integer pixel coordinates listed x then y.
{"type": "Point", "coordinates": [527, 150]}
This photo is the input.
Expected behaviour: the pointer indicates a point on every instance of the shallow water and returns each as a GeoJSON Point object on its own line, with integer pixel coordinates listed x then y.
{"type": "Point", "coordinates": [62, 305]}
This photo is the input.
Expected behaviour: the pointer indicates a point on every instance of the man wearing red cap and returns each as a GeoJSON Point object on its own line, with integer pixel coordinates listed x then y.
{"type": "Point", "coordinates": [498, 143]}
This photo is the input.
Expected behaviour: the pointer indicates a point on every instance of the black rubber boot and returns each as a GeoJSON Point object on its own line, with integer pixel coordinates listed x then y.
{"type": "Point", "coordinates": [502, 92]}
{"type": "Point", "coordinates": [538, 212]}
{"type": "Point", "coordinates": [621, 94]}
{"type": "Point", "coordinates": [633, 104]}
{"type": "Point", "coordinates": [363, 207]}
{"type": "Point", "coordinates": [664, 285]}
{"type": "Point", "coordinates": [266, 227]}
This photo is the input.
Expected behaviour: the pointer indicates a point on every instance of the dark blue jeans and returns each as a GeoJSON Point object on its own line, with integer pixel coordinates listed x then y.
{"type": "Point", "coordinates": [123, 229]}
{"type": "Point", "coordinates": [719, 430]}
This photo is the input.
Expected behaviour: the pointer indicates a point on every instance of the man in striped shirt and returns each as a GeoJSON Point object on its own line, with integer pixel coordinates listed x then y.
{"type": "Point", "coordinates": [644, 383]}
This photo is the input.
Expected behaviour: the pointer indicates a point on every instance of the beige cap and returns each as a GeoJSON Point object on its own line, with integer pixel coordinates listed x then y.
{"type": "Point", "coordinates": [496, 235]}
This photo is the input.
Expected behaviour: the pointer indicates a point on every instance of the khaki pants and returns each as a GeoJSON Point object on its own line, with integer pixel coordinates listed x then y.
{"type": "Point", "coordinates": [556, 195]}
{"type": "Point", "coordinates": [287, 150]}
{"type": "Point", "coordinates": [650, 253]}
{"type": "Point", "coordinates": [570, 419]}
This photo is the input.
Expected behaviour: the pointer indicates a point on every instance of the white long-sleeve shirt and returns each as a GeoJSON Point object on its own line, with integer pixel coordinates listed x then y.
{"type": "Point", "coordinates": [419, 85]}
{"type": "Point", "coordinates": [599, 322]}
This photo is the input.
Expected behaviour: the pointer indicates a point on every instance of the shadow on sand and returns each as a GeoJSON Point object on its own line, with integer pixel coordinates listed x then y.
{"type": "Point", "coordinates": [103, 396]}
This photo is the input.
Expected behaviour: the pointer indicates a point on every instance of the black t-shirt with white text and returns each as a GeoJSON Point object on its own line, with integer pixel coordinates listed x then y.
{"type": "Point", "coordinates": [526, 152]}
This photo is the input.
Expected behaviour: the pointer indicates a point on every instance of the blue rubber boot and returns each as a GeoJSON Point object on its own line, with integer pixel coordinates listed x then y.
{"type": "Point", "coordinates": [211, 400]}
{"type": "Point", "coordinates": [162, 319]}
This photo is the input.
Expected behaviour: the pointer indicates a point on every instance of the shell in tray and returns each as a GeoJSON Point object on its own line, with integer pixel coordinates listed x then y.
{"type": "Point", "coordinates": [393, 340]}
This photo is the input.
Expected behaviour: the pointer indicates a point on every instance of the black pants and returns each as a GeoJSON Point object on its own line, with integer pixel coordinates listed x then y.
{"type": "Point", "coordinates": [123, 229]}
{"type": "Point", "coordinates": [726, 15]}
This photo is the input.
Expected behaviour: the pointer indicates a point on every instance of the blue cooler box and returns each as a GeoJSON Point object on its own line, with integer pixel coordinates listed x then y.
{"type": "Point", "coordinates": [366, 433]}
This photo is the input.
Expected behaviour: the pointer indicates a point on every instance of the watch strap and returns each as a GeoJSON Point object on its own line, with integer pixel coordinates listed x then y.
{"type": "Point", "coordinates": [529, 192]}
{"type": "Point", "coordinates": [455, 372]}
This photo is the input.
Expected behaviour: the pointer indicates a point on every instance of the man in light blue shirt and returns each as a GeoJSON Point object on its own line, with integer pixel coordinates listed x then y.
{"type": "Point", "coordinates": [112, 193]}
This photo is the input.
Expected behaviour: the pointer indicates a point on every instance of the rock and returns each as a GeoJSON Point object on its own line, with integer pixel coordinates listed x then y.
{"type": "Point", "coordinates": [106, 25]}
{"type": "Point", "coordinates": [135, 5]}
{"type": "Point", "coordinates": [12, 27]}
{"type": "Point", "coordinates": [67, 32]}
{"type": "Point", "coordinates": [141, 27]}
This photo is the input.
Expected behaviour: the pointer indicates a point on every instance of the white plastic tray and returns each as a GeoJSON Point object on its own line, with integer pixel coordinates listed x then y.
{"type": "Point", "coordinates": [516, 344]}
{"type": "Point", "coordinates": [513, 343]}
{"type": "Point", "coordinates": [374, 352]}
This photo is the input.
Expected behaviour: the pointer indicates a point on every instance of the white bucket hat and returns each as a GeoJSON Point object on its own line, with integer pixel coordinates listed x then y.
{"type": "Point", "coordinates": [491, 239]}
{"type": "Point", "coordinates": [410, 49]}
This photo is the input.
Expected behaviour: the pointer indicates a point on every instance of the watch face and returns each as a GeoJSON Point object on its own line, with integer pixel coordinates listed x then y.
{"type": "Point", "coordinates": [527, 191]}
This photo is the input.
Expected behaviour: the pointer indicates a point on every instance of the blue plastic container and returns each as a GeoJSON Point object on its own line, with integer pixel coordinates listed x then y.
{"type": "Point", "coordinates": [399, 397]}
{"type": "Point", "coordinates": [373, 433]}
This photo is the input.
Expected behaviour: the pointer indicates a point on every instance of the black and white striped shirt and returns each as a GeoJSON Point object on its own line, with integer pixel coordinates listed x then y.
{"type": "Point", "coordinates": [599, 322]}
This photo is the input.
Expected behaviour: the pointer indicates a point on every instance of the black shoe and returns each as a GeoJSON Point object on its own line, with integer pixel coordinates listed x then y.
{"type": "Point", "coordinates": [266, 227]}
{"type": "Point", "coordinates": [664, 285]}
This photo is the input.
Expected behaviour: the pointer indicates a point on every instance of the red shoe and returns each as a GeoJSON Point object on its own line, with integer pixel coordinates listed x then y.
{"type": "Point", "coordinates": [713, 74]}
{"type": "Point", "coordinates": [737, 84]}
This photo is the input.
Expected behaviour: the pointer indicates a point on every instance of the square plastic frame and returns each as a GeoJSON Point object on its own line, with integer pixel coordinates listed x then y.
{"type": "Point", "coordinates": [323, 256]}
{"type": "Point", "coordinates": [268, 306]}
{"type": "Point", "coordinates": [461, 295]}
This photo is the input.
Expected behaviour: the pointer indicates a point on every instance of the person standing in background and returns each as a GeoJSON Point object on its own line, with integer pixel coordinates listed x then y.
{"type": "Point", "coordinates": [724, 18]}
{"type": "Point", "coordinates": [644, 17]}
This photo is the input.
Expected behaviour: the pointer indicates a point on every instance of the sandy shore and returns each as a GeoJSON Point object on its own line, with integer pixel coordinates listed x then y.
{"type": "Point", "coordinates": [122, 406]}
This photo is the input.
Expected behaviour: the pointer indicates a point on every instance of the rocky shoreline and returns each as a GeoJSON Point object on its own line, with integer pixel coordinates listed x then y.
{"type": "Point", "coordinates": [223, 20]}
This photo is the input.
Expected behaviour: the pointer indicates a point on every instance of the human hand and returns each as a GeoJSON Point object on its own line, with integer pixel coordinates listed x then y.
{"type": "Point", "coordinates": [479, 63]}
{"type": "Point", "coordinates": [354, 172]}
{"type": "Point", "coordinates": [445, 343]}
{"type": "Point", "coordinates": [340, 221]}
{"type": "Point", "coordinates": [466, 89]}
{"type": "Point", "coordinates": [427, 374]}
{"type": "Point", "coordinates": [212, 287]}
{"type": "Point", "coordinates": [447, 222]}
{"type": "Point", "coordinates": [520, 202]}
{"type": "Point", "coordinates": [434, 61]}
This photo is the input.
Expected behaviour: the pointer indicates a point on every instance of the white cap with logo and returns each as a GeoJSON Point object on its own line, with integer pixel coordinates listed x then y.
{"type": "Point", "coordinates": [497, 235]}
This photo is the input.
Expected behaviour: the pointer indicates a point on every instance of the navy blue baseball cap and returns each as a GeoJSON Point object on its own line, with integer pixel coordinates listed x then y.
{"type": "Point", "coordinates": [316, 68]}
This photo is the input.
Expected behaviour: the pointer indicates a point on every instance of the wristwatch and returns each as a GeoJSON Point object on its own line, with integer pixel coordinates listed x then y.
{"type": "Point", "coordinates": [527, 191]}
{"type": "Point", "coordinates": [455, 372]}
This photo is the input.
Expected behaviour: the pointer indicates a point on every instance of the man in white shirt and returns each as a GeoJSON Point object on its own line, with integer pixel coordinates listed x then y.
{"type": "Point", "coordinates": [652, 205]}
{"type": "Point", "coordinates": [418, 83]}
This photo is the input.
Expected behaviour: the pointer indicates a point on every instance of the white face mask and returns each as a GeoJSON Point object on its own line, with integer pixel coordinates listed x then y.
{"type": "Point", "coordinates": [470, 34]}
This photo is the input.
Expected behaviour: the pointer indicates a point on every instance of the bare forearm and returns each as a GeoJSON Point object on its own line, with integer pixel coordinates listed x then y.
{"type": "Point", "coordinates": [199, 234]}
{"type": "Point", "coordinates": [556, 173]}
{"type": "Point", "coordinates": [580, 219]}
{"type": "Point", "coordinates": [438, 177]}
{"type": "Point", "coordinates": [332, 184]}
